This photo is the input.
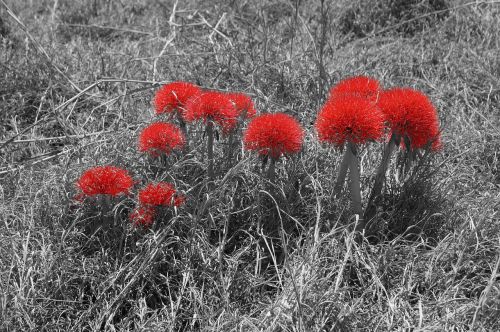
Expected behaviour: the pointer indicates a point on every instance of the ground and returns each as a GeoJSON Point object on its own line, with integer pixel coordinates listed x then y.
{"type": "Point", "coordinates": [77, 82]}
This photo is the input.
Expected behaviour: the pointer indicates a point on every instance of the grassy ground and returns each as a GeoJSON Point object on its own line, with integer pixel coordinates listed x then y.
{"type": "Point", "coordinates": [76, 87]}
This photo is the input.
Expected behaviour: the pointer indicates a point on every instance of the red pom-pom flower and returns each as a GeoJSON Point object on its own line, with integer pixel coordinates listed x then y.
{"type": "Point", "coordinates": [160, 194]}
{"type": "Point", "coordinates": [410, 113]}
{"type": "Point", "coordinates": [243, 104]}
{"type": "Point", "coordinates": [357, 86]}
{"type": "Point", "coordinates": [173, 97]}
{"type": "Point", "coordinates": [212, 106]}
{"type": "Point", "coordinates": [105, 180]}
{"type": "Point", "coordinates": [160, 137]}
{"type": "Point", "coordinates": [274, 135]}
{"type": "Point", "coordinates": [142, 216]}
{"type": "Point", "coordinates": [352, 119]}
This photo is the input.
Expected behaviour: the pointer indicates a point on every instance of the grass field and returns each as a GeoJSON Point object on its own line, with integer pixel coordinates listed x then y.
{"type": "Point", "coordinates": [77, 80]}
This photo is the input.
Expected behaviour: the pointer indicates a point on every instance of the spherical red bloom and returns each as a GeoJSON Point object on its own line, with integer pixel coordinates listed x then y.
{"type": "Point", "coordinates": [160, 137]}
{"type": "Point", "coordinates": [173, 96]}
{"type": "Point", "coordinates": [274, 135]}
{"type": "Point", "coordinates": [105, 180]}
{"type": "Point", "coordinates": [410, 113]}
{"type": "Point", "coordinates": [212, 106]}
{"type": "Point", "coordinates": [142, 216]}
{"type": "Point", "coordinates": [349, 119]}
{"type": "Point", "coordinates": [243, 104]}
{"type": "Point", "coordinates": [357, 86]}
{"type": "Point", "coordinates": [159, 194]}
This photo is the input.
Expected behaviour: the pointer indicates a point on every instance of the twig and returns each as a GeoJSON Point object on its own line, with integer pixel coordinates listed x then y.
{"type": "Point", "coordinates": [103, 27]}
{"type": "Point", "coordinates": [215, 29]}
{"type": "Point", "coordinates": [210, 36]}
{"type": "Point", "coordinates": [48, 156]}
{"type": "Point", "coordinates": [170, 39]}
{"type": "Point", "coordinates": [42, 139]}
{"type": "Point", "coordinates": [484, 295]}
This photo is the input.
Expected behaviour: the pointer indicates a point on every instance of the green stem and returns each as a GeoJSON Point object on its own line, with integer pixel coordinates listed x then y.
{"type": "Point", "coordinates": [230, 148]}
{"type": "Point", "coordinates": [271, 171]}
{"type": "Point", "coordinates": [183, 126]}
{"type": "Point", "coordinates": [355, 185]}
{"type": "Point", "coordinates": [344, 165]}
{"type": "Point", "coordinates": [210, 150]}
{"type": "Point", "coordinates": [407, 157]}
{"type": "Point", "coordinates": [380, 178]}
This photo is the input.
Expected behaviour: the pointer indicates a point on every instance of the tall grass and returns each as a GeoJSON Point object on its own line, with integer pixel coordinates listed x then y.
{"type": "Point", "coordinates": [241, 256]}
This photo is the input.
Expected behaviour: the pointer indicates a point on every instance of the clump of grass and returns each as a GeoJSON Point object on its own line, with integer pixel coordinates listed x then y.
{"type": "Point", "coordinates": [196, 269]}
{"type": "Point", "coordinates": [408, 17]}
{"type": "Point", "coordinates": [412, 209]}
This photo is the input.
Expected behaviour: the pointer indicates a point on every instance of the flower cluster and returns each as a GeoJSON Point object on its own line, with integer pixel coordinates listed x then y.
{"type": "Point", "coordinates": [274, 135]}
{"type": "Point", "coordinates": [212, 106]}
{"type": "Point", "coordinates": [160, 194]}
{"type": "Point", "coordinates": [243, 104]}
{"type": "Point", "coordinates": [105, 180]}
{"type": "Point", "coordinates": [160, 137]}
{"type": "Point", "coordinates": [357, 111]}
{"type": "Point", "coordinates": [352, 119]}
{"type": "Point", "coordinates": [410, 113]}
{"type": "Point", "coordinates": [358, 86]}
{"type": "Point", "coordinates": [172, 97]}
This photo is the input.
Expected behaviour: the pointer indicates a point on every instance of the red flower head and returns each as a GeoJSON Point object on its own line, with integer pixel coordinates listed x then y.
{"type": "Point", "coordinates": [142, 216]}
{"type": "Point", "coordinates": [358, 86]}
{"type": "Point", "coordinates": [160, 137]}
{"type": "Point", "coordinates": [173, 96]}
{"type": "Point", "coordinates": [213, 106]}
{"type": "Point", "coordinates": [349, 119]}
{"type": "Point", "coordinates": [410, 113]}
{"type": "Point", "coordinates": [243, 104]}
{"type": "Point", "coordinates": [274, 135]}
{"type": "Point", "coordinates": [105, 180]}
{"type": "Point", "coordinates": [160, 194]}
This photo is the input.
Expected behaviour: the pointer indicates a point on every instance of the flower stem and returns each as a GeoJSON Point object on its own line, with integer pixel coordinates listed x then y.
{"type": "Point", "coordinates": [344, 165]}
{"type": "Point", "coordinates": [271, 171]}
{"type": "Point", "coordinates": [210, 150]}
{"type": "Point", "coordinates": [380, 178]}
{"type": "Point", "coordinates": [355, 184]}
{"type": "Point", "coordinates": [183, 126]}
{"type": "Point", "coordinates": [231, 146]}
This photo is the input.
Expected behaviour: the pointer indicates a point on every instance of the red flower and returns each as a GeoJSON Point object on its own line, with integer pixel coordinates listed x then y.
{"type": "Point", "coordinates": [358, 86]}
{"type": "Point", "coordinates": [105, 180]}
{"type": "Point", "coordinates": [160, 137]}
{"type": "Point", "coordinates": [142, 216]}
{"type": "Point", "coordinates": [159, 194]}
{"type": "Point", "coordinates": [173, 96]}
{"type": "Point", "coordinates": [212, 106]}
{"type": "Point", "coordinates": [410, 113]}
{"type": "Point", "coordinates": [274, 135]}
{"type": "Point", "coordinates": [243, 104]}
{"type": "Point", "coordinates": [349, 119]}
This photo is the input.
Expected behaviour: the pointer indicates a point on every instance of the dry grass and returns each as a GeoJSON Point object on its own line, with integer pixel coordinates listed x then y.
{"type": "Point", "coordinates": [76, 87]}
